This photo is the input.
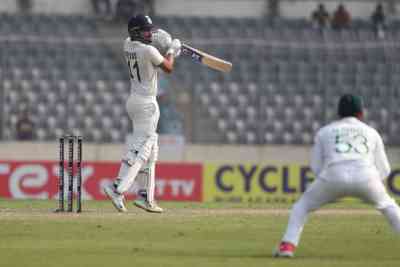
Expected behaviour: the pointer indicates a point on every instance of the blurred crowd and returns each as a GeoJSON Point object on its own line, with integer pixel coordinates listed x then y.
{"type": "Point", "coordinates": [121, 10]}
{"type": "Point", "coordinates": [109, 10]}
{"type": "Point", "coordinates": [340, 19]}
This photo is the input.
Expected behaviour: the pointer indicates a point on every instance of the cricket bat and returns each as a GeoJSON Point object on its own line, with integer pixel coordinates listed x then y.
{"type": "Point", "coordinates": [206, 59]}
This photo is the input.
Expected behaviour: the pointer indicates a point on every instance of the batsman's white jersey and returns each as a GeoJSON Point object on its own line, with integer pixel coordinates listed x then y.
{"type": "Point", "coordinates": [143, 61]}
{"type": "Point", "coordinates": [348, 159]}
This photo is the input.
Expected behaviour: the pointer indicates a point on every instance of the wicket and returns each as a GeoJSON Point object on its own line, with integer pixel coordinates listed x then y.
{"type": "Point", "coordinates": [72, 171]}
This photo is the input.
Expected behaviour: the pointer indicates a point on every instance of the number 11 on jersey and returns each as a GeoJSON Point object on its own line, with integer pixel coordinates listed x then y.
{"type": "Point", "coordinates": [133, 66]}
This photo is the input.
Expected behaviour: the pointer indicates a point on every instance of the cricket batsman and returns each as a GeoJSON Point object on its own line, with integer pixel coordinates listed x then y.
{"type": "Point", "coordinates": [348, 159]}
{"type": "Point", "coordinates": [143, 60]}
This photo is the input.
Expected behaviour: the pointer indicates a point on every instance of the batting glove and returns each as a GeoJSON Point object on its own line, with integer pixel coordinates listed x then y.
{"type": "Point", "coordinates": [175, 48]}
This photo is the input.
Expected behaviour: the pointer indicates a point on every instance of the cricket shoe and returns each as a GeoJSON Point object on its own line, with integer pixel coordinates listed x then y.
{"type": "Point", "coordinates": [285, 250]}
{"type": "Point", "coordinates": [148, 206]}
{"type": "Point", "coordinates": [116, 198]}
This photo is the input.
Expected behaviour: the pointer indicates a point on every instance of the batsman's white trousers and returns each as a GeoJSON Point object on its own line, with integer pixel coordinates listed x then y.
{"type": "Point", "coordinates": [144, 113]}
{"type": "Point", "coordinates": [343, 182]}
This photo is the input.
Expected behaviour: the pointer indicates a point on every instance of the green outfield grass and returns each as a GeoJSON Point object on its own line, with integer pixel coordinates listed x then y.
{"type": "Point", "coordinates": [189, 235]}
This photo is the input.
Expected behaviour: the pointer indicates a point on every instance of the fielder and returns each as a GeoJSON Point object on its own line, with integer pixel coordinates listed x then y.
{"type": "Point", "coordinates": [348, 159]}
{"type": "Point", "coordinates": [143, 60]}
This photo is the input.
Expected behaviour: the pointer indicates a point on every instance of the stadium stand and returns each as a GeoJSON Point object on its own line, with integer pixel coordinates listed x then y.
{"type": "Point", "coordinates": [285, 82]}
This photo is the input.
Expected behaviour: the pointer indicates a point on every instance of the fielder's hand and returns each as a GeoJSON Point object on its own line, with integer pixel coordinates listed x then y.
{"type": "Point", "coordinates": [175, 48]}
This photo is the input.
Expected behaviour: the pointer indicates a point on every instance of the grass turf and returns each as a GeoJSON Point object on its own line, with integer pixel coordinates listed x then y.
{"type": "Point", "coordinates": [189, 234]}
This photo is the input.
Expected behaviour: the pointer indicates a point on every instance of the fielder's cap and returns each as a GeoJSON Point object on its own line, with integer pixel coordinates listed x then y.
{"type": "Point", "coordinates": [349, 105]}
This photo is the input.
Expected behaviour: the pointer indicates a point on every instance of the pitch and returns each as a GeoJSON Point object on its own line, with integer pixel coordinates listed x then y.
{"type": "Point", "coordinates": [189, 235]}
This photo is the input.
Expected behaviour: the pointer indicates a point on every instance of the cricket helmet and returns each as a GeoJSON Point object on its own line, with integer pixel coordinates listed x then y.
{"type": "Point", "coordinates": [350, 106]}
{"type": "Point", "coordinates": [140, 28]}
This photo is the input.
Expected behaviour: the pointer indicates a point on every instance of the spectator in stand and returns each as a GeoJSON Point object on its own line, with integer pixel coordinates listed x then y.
{"type": "Point", "coordinates": [379, 21]}
{"type": "Point", "coordinates": [149, 7]}
{"type": "Point", "coordinates": [273, 8]}
{"type": "Point", "coordinates": [341, 18]}
{"type": "Point", "coordinates": [25, 6]}
{"type": "Point", "coordinates": [320, 17]}
{"type": "Point", "coordinates": [125, 8]}
{"type": "Point", "coordinates": [24, 126]}
{"type": "Point", "coordinates": [102, 8]}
